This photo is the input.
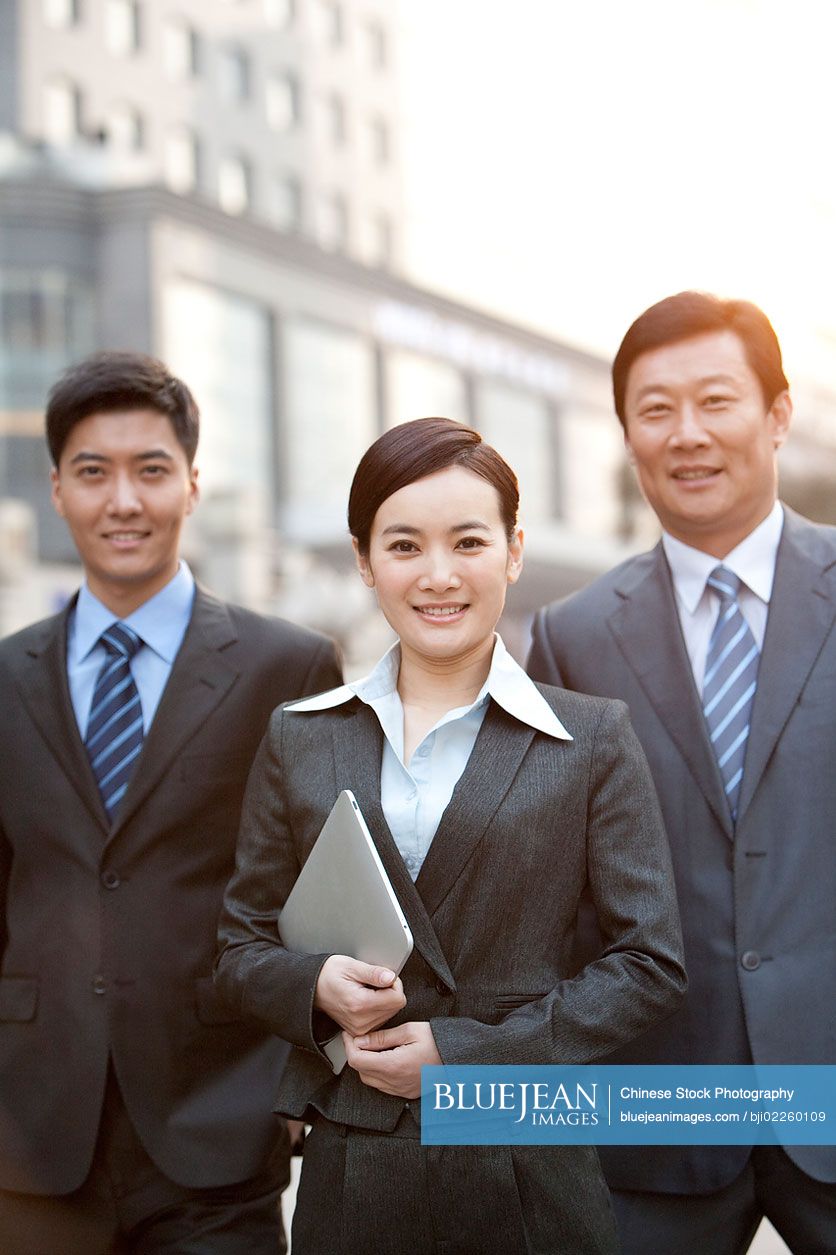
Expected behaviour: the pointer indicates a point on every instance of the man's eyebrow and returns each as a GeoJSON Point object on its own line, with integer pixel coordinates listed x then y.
{"type": "Point", "coordinates": [154, 455]}
{"type": "Point", "coordinates": [85, 456]}
{"type": "Point", "coordinates": [703, 382]}
{"type": "Point", "coordinates": [150, 455]}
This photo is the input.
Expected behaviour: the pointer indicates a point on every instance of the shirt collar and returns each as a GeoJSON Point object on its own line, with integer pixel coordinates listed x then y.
{"type": "Point", "coordinates": [752, 561]}
{"type": "Point", "coordinates": [160, 621]}
{"type": "Point", "coordinates": [507, 684]}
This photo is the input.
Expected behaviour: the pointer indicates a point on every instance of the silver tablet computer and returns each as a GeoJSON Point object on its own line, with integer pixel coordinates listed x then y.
{"type": "Point", "coordinates": [343, 902]}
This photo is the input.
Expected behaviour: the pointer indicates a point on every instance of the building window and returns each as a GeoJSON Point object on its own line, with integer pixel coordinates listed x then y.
{"type": "Point", "coordinates": [377, 142]}
{"type": "Point", "coordinates": [418, 385]}
{"type": "Point", "coordinates": [182, 160]}
{"type": "Point", "coordinates": [330, 22]}
{"type": "Point", "coordinates": [279, 13]}
{"type": "Point", "coordinates": [286, 203]}
{"type": "Point", "coordinates": [181, 50]}
{"type": "Point", "coordinates": [282, 101]}
{"type": "Point", "coordinates": [62, 12]}
{"type": "Point", "coordinates": [125, 128]}
{"type": "Point", "coordinates": [235, 74]}
{"type": "Point", "coordinates": [375, 51]}
{"type": "Point", "coordinates": [329, 419]}
{"type": "Point", "coordinates": [378, 241]}
{"type": "Point", "coordinates": [47, 319]}
{"type": "Point", "coordinates": [333, 119]}
{"type": "Point", "coordinates": [123, 33]}
{"type": "Point", "coordinates": [62, 111]}
{"type": "Point", "coordinates": [332, 224]}
{"type": "Point", "coordinates": [222, 343]}
{"type": "Point", "coordinates": [519, 425]}
{"type": "Point", "coordinates": [234, 179]}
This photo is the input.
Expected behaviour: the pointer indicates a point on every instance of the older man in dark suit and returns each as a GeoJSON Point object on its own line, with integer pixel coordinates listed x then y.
{"type": "Point", "coordinates": [132, 1115]}
{"type": "Point", "coordinates": [721, 641]}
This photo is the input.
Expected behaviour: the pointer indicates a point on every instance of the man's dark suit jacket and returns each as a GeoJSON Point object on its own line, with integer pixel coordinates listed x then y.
{"type": "Point", "coordinates": [109, 933]}
{"type": "Point", "coordinates": [758, 905]}
{"type": "Point", "coordinates": [492, 913]}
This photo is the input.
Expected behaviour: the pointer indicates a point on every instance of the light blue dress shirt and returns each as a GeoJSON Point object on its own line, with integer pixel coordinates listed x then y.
{"type": "Point", "coordinates": [414, 795]}
{"type": "Point", "coordinates": [161, 622]}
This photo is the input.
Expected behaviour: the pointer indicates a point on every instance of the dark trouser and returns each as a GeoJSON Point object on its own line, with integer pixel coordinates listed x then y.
{"type": "Point", "coordinates": [127, 1205]}
{"type": "Point", "coordinates": [724, 1223]}
{"type": "Point", "coordinates": [365, 1193]}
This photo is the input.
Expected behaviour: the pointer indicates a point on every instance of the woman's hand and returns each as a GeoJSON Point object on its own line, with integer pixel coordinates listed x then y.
{"type": "Point", "coordinates": [357, 995]}
{"type": "Point", "coordinates": [391, 1058]}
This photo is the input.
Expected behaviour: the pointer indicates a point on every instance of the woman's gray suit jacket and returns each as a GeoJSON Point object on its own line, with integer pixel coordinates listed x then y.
{"type": "Point", "coordinates": [531, 822]}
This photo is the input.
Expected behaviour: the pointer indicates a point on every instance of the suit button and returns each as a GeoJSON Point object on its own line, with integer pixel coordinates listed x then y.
{"type": "Point", "coordinates": [751, 960]}
{"type": "Point", "coordinates": [110, 880]}
{"type": "Point", "coordinates": [99, 986]}
{"type": "Point", "coordinates": [441, 988]}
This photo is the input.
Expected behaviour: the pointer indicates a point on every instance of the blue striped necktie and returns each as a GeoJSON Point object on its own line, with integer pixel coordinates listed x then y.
{"type": "Point", "coordinates": [731, 677]}
{"type": "Point", "coordinates": [114, 730]}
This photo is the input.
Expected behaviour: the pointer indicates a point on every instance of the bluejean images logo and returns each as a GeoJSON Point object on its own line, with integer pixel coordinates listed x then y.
{"type": "Point", "coordinates": [542, 1103]}
{"type": "Point", "coordinates": [630, 1105]}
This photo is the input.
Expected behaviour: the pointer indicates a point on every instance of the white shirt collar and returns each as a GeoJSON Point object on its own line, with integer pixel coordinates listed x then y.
{"type": "Point", "coordinates": [507, 684]}
{"type": "Point", "coordinates": [752, 561]}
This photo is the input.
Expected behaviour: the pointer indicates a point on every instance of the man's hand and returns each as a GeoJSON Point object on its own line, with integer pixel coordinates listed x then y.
{"type": "Point", "coordinates": [391, 1058]}
{"type": "Point", "coordinates": [357, 995]}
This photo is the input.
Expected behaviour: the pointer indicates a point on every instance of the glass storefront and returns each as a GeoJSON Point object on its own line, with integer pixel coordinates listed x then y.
{"type": "Point", "coordinates": [46, 322]}
{"type": "Point", "coordinates": [420, 387]}
{"type": "Point", "coordinates": [220, 345]}
{"type": "Point", "coordinates": [329, 419]}
{"type": "Point", "coordinates": [520, 426]}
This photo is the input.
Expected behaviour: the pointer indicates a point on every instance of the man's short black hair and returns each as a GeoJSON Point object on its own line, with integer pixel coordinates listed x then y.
{"type": "Point", "coordinates": [118, 380]}
{"type": "Point", "coordinates": [689, 314]}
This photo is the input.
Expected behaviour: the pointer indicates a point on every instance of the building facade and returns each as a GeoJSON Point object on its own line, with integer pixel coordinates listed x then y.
{"type": "Point", "coordinates": [125, 222]}
{"type": "Point", "coordinates": [285, 110]}
{"type": "Point", "coordinates": [299, 358]}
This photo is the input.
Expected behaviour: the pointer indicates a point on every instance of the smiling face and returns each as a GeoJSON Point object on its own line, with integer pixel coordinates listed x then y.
{"type": "Point", "coordinates": [703, 439]}
{"type": "Point", "coordinates": [124, 486]}
{"type": "Point", "coordinates": [440, 563]}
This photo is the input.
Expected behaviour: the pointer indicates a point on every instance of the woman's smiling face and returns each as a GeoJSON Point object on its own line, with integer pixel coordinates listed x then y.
{"type": "Point", "coordinates": [440, 562]}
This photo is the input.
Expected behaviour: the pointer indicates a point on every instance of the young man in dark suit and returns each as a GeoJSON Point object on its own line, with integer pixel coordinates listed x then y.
{"type": "Point", "coordinates": [721, 641]}
{"type": "Point", "coordinates": [132, 1104]}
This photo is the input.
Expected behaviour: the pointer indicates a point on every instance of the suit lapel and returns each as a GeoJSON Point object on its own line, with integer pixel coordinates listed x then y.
{"type": "Point", "coordinates": [647, 628]}
{"type": "Point", "coordinates": [358, 751]}
{"type": "Point", "coordinates": [801, 614]}
{"type": "Point", "coordinates": [44, 688]}
{"type": "Point", "coordinates": [499, 750]}
{"type": "Point", "coordinates": [200, 678]}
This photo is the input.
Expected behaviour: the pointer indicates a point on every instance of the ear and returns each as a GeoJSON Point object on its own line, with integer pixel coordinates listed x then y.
{"type": "Point", "coordinates": [55, 491]}
{"type": "Point", "coordinates": [628, 448]}
{"type": "Point", "coordinates": [194, 489]}
{"type": "Point", "coordinates": [515, 556]}
{"type": "Point", "coordinates": [363, 564]}
{"type": "Point", "coordinates": [779, 417]}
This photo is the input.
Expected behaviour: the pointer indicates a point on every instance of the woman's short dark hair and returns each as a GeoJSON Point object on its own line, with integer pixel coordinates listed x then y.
{"type": "Point", "coordinates": [414, 450]}
{"type": "Point", "coordinates": [116, 380]}
{"type": "Point", "coordinates": [688, 314]}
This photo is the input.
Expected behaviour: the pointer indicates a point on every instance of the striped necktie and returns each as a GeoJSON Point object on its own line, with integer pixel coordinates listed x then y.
{"type": "Point", "coordinates": [115, 730]}
{"type": "Point", "coordinates": [731, 677]}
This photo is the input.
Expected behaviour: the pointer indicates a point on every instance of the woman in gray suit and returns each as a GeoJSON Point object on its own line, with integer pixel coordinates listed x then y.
{"type": "Point", "coordinates": [493, 803]}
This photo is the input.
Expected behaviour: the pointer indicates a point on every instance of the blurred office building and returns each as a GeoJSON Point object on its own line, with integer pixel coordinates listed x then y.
{"type": "Point", "coordinates": [217, 182]}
